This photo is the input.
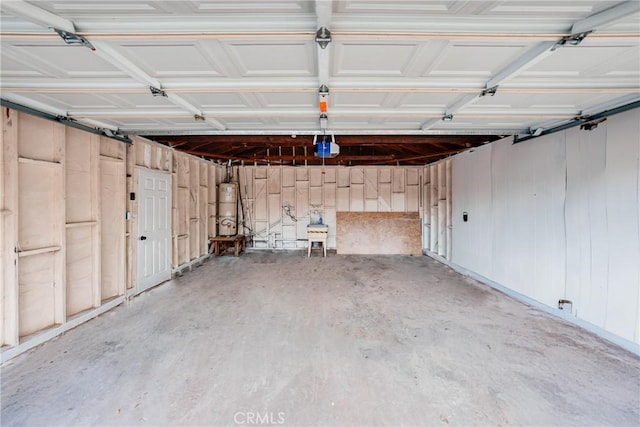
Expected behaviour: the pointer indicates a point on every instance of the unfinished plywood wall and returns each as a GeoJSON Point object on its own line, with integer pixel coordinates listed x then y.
{"type": "Point", "coordinates": [41, 225]}
{"type": "Point", "coordinates": [142, 154]}
{"type": "Point", "coordinates": [193, 207]}
{"type": "Point", "coordinates": [193, 203]}
{"type": "Point", "coordinates": [62, 233]}
{"type": "Point", "coordinates": [279, 201]}
{"type": "Point", "coordinates": [437, 224]}
{"type": "Point", "coordinates": [82, 206]}
{"type": "Point", "coordinates": [113, 196]}
{"type": "Point", "coordinates": [67, 249]}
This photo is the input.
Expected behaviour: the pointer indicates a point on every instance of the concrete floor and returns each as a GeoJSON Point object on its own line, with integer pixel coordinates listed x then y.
{"type": "Point", "coordinates": [276, 338]}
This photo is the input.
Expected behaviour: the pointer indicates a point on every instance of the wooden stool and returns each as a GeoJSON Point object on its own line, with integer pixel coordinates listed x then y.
{"type": "Point", "coordinates": [220, 244]}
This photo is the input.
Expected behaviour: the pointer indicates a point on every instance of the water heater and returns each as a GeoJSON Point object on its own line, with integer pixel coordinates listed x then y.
{"type": "Point", "coordinates": [228, 209]}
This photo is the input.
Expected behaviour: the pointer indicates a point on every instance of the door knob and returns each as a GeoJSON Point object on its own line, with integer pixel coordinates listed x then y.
{"type": "Point", "coordinates": [143, 237]}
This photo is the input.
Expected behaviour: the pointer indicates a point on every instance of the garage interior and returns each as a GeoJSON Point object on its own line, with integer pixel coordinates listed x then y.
{"type": "Point", "coordinates": [472, 167]}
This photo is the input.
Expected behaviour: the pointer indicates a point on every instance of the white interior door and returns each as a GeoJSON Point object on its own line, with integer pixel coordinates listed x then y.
{"type": "Point", "coordinates": [154, 228]}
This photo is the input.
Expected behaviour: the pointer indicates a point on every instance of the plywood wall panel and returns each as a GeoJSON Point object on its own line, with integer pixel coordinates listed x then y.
{"type": "Point", "coordinates": [413, 198]}
{"type": "Point", "coordinates": [384, 175]}
{"type": "Point", "coordinates": [288, 177]}
{"type": "Point", "coordinates": [275, 180]}
{"type": "Point", "coordinates": [80, 256]}
{"type": "Point", "coordinates": [398, 202]}
{"type": "Point", "coordinates": [183, 217]}
{"type": "Point", "coordinates": [330, 219]}
{"type": "Point", "coordinates": [183, 250]}
{"type": "Point", "coordinates": [194, 240]}
{"type": "Point", "coordinates": [37, 292]}
{"type": "Point", "coordinates": [329, 195]}
{"type": "Point", "coordinates": [398, 180]}
{"type": "Point", "coordinates": [378, 233]}
{"type": "Point", "coordinates": [371, 205]}
{"type": "Point", "coordinates": [9, 291]}
{"type": "Point", "coordinates": [357, 176]}
{"type": "Point", "coordinates": [413, 176]}
{"type": "Point", "coordinates": [194, 196]}
{"type": "Point", "coordinates": [112, 148]}
{"type": "Point", "coordinates": [261, 233]}
{"type": "Point", "coordinates": [194, 172]}
{"type": "Point", "coordinates": [288, 201]}
{"type": "Point", "coordinates": [80, 163]}
{"type": "Point", "coordinates": [342, 199]}
{"type": "Point", "coordinates": [315, 177]}
{"type": "Point", "coordinates": [112, 217]}
{"type": "Point", "coordinates": [40, 139]}
{"type": "Point", "coordinates": [203, 216]}
{"type": "Point", "coordinates": [39, 192]}
{"type": "Point", "coordinates": [204, 173]}
{"type": "Point", "coordinates": [246, 187]}
{"type": "Point", "coordinates": [344, 177]}
{"type": "Point", "coordinates": [260, 172]}
{"type": "Point", "coordinates": [384, 197]}
{"type": "Point", "coordinates": [329, 175]}
{"type": "Point", "coordinates": [261, 200]}
{"type": "Point", "coordinates": [302, 208]}
{"type": "Point", "coordinates": [157, 158]}
{"type": "Point", "coordinates": [289, 233]}
{"type": "Point", "coordinates": [356, 198]}
{"type": "Point", "coordinates": [182, 168]}
{"type": "Point", "coordinates": [302, 198]}
{"type": "Point", "coordinates": [275, 211]}
{"type": "Point", "coordinates": [143, 154]}
{"type": "Point", "coordinates": [371, 183]}
{"type": "Point", "coordinates": [302, 174]}
{"type": "Point", "coordinates": [315, 196]}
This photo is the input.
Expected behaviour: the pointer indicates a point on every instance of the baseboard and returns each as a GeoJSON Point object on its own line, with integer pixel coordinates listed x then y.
{"type": "Point", "coordinates": [11, 352]}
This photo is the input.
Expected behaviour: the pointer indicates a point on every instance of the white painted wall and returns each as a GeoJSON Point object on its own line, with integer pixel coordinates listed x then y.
{"type": "Point", "coordinates": [557, 217]}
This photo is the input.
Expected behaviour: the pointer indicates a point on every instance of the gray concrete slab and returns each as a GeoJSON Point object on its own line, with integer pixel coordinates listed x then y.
{"type": "Point", "coordinates": [278, 338]}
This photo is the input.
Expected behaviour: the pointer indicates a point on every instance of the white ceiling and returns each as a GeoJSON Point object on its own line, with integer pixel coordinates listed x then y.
{"type": "Point", "coordinates": [254, 67]}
